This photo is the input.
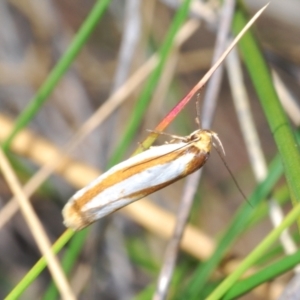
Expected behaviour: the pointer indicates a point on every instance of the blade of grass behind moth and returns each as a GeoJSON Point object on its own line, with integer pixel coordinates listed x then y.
{"type": "Point", "coordinates": [59, 70]}
{"type": "Point", "coordinates": [255, 254]}
{"type": "Point", "coordinates": [146, 94]}
{"type": "Point", "coordinates": [236, 226]}
{"type": "Point", "coordinates": [253, 146]}
{"type": "Point", "coordinates": [266, 274]}
{"type": "Point", "coordinates": [278, 122]}
{"type": "Point", "coordinates": [191, 184]}
{"type": "Point", "coordinates": [174, 112]}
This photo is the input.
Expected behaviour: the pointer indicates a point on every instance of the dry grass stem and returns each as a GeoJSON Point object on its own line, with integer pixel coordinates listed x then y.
{"type": "Point", "coordinates": [130, 37]}
{"type": "Point", "coordinates": [36, 229]}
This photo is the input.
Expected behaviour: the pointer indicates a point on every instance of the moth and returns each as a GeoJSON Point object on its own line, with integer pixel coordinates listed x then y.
{"type": "Point", "coordinates": [139, 176]}
{"type": "Point", "coordinates": [147, 172]}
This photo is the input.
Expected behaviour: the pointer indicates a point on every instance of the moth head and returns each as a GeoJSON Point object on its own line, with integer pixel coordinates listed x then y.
{"type": "Point", "coordinates": [205, 139]}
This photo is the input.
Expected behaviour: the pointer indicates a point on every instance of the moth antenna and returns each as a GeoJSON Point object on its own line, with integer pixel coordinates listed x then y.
{"type": "Point", "coordinates": [219, 142]}
{"type": "Point", "coordinates": [231, 174]}
{"type": "Point", "coordinates": [198, 120]}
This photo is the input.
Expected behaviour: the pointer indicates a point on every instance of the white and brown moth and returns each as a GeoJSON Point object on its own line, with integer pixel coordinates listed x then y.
{"type": "Point", "coordinates": [147, 172]}
{"type": "Point", "coordinates": [138, 177]}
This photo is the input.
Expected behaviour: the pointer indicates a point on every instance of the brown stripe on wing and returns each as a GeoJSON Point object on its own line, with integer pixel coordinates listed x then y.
{"type": "Point", "coordinates": [153, 158]}
{"type": "Point", "coordinates": [198, 160]}
{"type": "Point", "coordinates": [123, 174]}
{"type": "Point", "coordinates": [196, 163]}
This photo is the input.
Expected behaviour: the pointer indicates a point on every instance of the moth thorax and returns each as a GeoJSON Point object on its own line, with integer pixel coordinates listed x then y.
{"type": "Point", "coordinates": [204, 140]}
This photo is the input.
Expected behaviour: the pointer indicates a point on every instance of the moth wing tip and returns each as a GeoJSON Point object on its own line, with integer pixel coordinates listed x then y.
{"type": "Point", "coordinates": [72, 217]}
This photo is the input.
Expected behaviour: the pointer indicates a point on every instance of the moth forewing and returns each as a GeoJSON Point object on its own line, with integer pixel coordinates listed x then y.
{"type": "Point", "coordinates": [136, 178]}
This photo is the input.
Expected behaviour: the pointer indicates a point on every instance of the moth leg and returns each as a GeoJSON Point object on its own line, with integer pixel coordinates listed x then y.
{"type": "Point", "coordinates": [198, 121]}
{"type": "Point", "coordinates": [175, 137]}
{"type": "Point", "coordinates": [142, 146]}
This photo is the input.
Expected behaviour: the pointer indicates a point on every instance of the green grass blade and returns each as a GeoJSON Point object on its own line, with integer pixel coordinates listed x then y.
{"type": "Point", "coordinates": [278, 122]}
{"type": "Point", "coordinates": [281, 196]}
{"type": "Point", "coordinates": [150, 85]}
{"type": "Point", "coordinates": [269, 273]}
{"type": "Point", "coordinates": [255, 254]}
{"type": "Point", "coordinates": [276, 252]}
{"type": "Point", "coordinates": [59, 70]}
